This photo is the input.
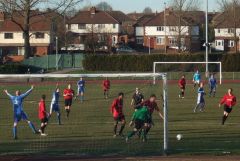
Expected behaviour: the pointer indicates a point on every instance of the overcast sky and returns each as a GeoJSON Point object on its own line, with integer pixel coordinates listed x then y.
{"type": "Point", "coordinates": [138, 5]}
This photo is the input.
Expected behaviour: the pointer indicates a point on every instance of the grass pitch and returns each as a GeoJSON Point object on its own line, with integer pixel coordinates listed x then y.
{"type": "Point", "coordinates": [88, 131]}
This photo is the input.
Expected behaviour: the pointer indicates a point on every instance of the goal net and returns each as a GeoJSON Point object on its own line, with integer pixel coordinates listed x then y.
{"type": "Point", "coordinates": [176, 69]}
{"type": "Point", "coordinates": [89, 128]}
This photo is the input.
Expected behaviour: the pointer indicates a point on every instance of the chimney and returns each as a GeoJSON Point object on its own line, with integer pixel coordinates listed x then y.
{"type": "Point", "coordinates": [93, 10]}
{"type": "Point", "coordinates": [2, 16]}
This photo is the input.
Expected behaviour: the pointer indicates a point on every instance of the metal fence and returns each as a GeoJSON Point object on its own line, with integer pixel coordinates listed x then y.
{"type": "Point", "coordinates": [49, 61]}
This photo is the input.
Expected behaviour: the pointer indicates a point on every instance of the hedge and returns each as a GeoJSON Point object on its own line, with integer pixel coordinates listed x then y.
{"type": "Point", "coordinates": [144, 63]}
{"type": "Point", "coordinates": [16, 69]}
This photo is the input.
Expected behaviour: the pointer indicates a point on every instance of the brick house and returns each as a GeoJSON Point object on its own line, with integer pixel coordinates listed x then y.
{"type": "Point", "coordinates": [152, 31]}
{"type": "Point", "coordinates": [110, 27]}
{"type": "Point", "coordinates": [12, 41]}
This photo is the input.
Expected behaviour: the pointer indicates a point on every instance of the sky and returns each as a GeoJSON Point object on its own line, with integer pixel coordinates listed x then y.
{"type": "Point", "coordinates": [128, 6]}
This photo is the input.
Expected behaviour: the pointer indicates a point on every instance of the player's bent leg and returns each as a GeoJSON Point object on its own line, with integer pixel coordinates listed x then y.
{"type": "Point", "coordinates": [15, 130]}
{"type": "Point", "coordinates": [123, 123]}
{"type": "Point", "coordinates": [115, 128]}
{"type": "Point", "coordinates": [31, 125]}
{"type": "Point", "coordinates": [59, 117]}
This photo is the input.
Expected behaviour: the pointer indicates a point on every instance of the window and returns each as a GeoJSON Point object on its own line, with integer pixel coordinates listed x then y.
{"type": "Point", "coordinates": [39, 35]}
{"type": "Point", "coordinates": [173, 41]}
{"type": "Point", "coordinates": [69, 27]}
{"type": "Point", "coordinates": [230, 43]}
{"type": "Point", "coordinates": [114, 26]}
{"type": "Point", "coordinates": [216, 43]}
{"type": "Point", "coordinates": [160, 40]}
{"type": "Point", "coordinates": [160, 28]}
{"type": "Point", "coordinates": [139, 40]}
{"type": "Point", "coordinates": [219, 30]}
{"type": "Point", "coordinates": [8, 35]}
{"type": "Point", "coordinates": [172, 29]}
{"type": "Point", "coordinates": [230, 31]}
{"type": "Point", "coordinates": [101, 26]}
{"type": "Point", "coordinates": [219, 43]}
{"type": "Point", "coordinates": [82, 26]}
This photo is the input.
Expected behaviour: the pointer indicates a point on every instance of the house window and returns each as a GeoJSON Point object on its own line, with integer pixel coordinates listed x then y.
{"type": "Point", "coordinates": [114, 26]}
{"type": "Point", "coordinates": [219, 30]}
{"type": "Point", "coordinates": [160, 40]}
{"type": "Point", "coordinates": [219, 43]}
{"type": "Point", "coordinates": [82, 26]}
{"type": "Point", "coordinates": [8, 35]}
{"type": "Point", "coordinates": [173, 41]}
{"type": "Point", "coordinates": [69, 27]}
{"type": "Point", "coordinates": [39, 35]}
{"type": "Point", "coordinates": [160, 28]}
{"type": "Point", "coordinates": [172, 29]}
{"type": "Point", "coordinates": [230, 43]}
{"type": "Point", "coordinates": [139, 40]}
{"type": "Point", "coordinates": [230, 31]}
{"type": "Point", "coordinates": [101, 26]}
{"type": "Point", "coordinates": [216, 43]}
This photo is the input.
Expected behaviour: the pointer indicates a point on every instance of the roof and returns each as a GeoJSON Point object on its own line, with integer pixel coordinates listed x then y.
{"type": "Point", "coordinates": [222, 20]}
{"type": "Point", "coordinates": [135, 16]}
{"type": "Point", "coordinates": [144, 19]}
{"type": "Point", "coordinates": [37, 23]}
{"type": "Point", "coordinates": [100, 17]}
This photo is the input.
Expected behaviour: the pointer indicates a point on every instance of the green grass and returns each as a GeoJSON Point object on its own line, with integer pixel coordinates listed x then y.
{"type": "Point", "coordinates": [89, 129]}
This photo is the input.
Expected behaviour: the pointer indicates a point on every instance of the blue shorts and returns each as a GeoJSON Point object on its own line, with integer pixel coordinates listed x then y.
{"type": "Point", "coordinates": [80, 90]}
{"type": "Point", "coordinates": [20, 116]}
{"type": "Point", "coordinates": [213, 88]}
{"type": "Point", "coordinates": [54, 107]}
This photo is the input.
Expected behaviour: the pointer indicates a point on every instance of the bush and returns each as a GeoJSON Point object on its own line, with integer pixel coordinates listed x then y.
{"type": "Point", "coordinates": [15, 69]}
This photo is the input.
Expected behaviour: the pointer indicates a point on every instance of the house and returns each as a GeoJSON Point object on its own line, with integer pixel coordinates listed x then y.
{"type": "Point", "coordinates": [162, 31]}
{"type": "Point", "coordinates": [12, 37]}
{"type": "Point", "coordinates": [105, 27]}
{"type": "Point", "coordinates": [227, 32]}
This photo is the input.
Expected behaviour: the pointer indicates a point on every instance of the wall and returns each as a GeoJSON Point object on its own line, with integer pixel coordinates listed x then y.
{"type": "Point", "coordinates": [107, 29]}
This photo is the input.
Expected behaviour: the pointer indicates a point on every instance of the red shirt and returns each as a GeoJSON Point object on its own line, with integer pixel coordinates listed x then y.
{"type": "Point", "coordinates": [117, 107]}
{"type": "Point", "coordinates": [229, 100]}
{"type": "Point", "coordinates": [68, 94]}
{"type": "Point", "coordinates": [151, 106]}
{"type": "Point", "coordinates": [106, 84]}
{"type": "Point", "coordinates": [182, 82]}
{"type": "Point", "coordinates": [42, 113]}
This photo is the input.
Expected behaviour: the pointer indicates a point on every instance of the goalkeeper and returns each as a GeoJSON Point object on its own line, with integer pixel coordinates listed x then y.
{"type": "Point", "coordinates": [139, 119]}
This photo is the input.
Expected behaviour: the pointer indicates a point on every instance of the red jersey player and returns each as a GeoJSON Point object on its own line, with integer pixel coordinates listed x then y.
{"type": "Point", "coordinates": [117, 112]}
{"type": "Point", "coordinates": [68, 95]}
{"type": "Point", "coordinates": [106, 87]}
{"type": "Point", "coordinates": [229, 100]}
{"type": "Point", "coordinates": [182, 86]}
{"type": "Point", "coordinates": [42, 115]}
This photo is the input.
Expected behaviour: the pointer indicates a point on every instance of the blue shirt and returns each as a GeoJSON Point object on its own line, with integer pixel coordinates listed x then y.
{"type": "Point", "coordinates": [81, 84]}
{"type": "Point", "coordinates": [17, 101]}
{"type": "Point", "coordinates": [196, 77]}
{"type": "Point", "coordinates": [212, 82]}
{"type": "Point", "coordinates": [201, 93]}
{"type": "Point", "coordinates": [55, 98]}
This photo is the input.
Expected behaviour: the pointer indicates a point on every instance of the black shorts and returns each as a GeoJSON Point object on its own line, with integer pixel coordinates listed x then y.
{"type": "Point", "coordinates": [183, 87]}
{"type": "Point", "coordinates": [120, 118]}
{"type": "Point", "coordinates": [149, 120]}
{"type": "Point", "coordinates": [139, 124]}
{"type": "Point", "coordinates": [227, 109]}
{"type": "Point", "coordinates": [68, 102]}
{"type": "Point", "coordinates": [44, 120]}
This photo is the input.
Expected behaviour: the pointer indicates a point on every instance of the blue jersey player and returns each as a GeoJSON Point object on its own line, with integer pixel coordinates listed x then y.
{"type": "Point", "coordinates": [19, 114]}
{"type": "Point", "coordinates": [54, 107]}
{"type": "Point", "coordinates": [196, 78]}
{"type": "Point", "coordinates": [212, 85]}
{"type": "Point", "coordinates": [81, 89]}
{"type": "Point", "coordinates": [200, 99]}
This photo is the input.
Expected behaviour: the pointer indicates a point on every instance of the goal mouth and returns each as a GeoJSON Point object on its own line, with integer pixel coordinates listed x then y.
{"type": "Point", "coordinates": [89, 128]}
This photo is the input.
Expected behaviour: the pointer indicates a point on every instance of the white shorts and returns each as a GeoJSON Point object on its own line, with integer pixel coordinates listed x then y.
{"type": "Point", "coordinates": [197, 81]}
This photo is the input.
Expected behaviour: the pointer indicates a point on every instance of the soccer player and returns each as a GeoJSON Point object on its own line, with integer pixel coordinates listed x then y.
{"type": "Point", "coordinates": [196, 78]}
{"type": "Point", "coordinates": [212, 85]}
{"type": "Point", "coordinates": [43, 115]}
{"type": "Point", "coordinates": [200, 99]}
{"type": "Point", "coordinates": [137, 99]}
{"type": "Point", "coordinates": [106, 88]}
{"type": "Point", "coordinates": [139, 119]}
{"type": "Point", "coordinates": [54, 107]}
{"type": "Point", "coordinates": [151, 104]}
{"type": "Point", "coordinates": [182, 85]}
{"type": "Point", "coordinates": [81, 89]}
{"type": "Point", "coordinates": [229, 100]}
{"type": "Point", "coordinates": [68, 95]}
{"type": "Point", "coordinates": [19, 114]}
{"type": "Point", "coordinates": [118, 116]}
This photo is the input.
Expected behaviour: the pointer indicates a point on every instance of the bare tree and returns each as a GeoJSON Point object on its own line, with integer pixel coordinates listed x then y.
{"type": "Point", "coordinates": [104, 6]}
{"type": "Point", "coordinates": [181, 9]}
{"type": "Point", "coordinates": [23, 12]}
{"type": "Point", "coordinates": [231, 13]}
{"type": "Point", "coordinates": [147, 10]}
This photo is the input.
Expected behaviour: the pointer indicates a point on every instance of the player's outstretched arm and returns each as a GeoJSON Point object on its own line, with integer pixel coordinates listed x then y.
{"type": "Point", "coordinates": [28, 92]}
{"type": "Point", "coordinates": [6, 92]}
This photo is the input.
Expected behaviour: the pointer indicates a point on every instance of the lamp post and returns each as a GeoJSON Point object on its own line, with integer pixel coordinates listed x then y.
{"type": "Point", "coordinates": [206, 43]}
{"type": "Point", "coordinates": [56, 53]}
{"type": "Point", "coordinates": [149, 45]}
{"type": "Point", "coordinates": [165, 29]}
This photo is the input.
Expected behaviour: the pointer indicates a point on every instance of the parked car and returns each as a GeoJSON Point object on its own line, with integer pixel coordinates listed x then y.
{"type": "Point", "coordinates": [125, 49]}
{"type": "Point", "coordinates": [73, 47]}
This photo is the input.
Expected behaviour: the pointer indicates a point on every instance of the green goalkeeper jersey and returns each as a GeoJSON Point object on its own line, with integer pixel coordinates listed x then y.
{"type": "Point", "coordinates": [141, 114]}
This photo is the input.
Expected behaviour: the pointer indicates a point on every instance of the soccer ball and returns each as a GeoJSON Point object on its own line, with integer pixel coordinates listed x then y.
{"type": "Point", "coordinates": [179, 137]}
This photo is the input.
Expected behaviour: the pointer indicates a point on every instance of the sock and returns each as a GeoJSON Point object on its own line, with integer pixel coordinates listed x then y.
{"type": "Point", "coordinates": [15, 132]}
{"type": "Point", "coordinates": [224, 119]}
{"type": "Point", "coordinates": [147, 130]}
{"type": "Point", "coordinates": [121, 130]}
{"type": "Point", "coordinates": [43, 128]}
{"type": "Point", "coordinates": [145, 134]}
{"type": "Point", "coordinates": [59, 118]}
{"type": "Point", "coordinates": [131, 134]}
{"type": "Point", "coordinates": [68, 111]}
{"type": "Point", "coordinates": [32, 127]}
{"type": "Point", "coordinates": [182, 94]}
{"type": "Point", "coordinates": [81, 98]}
{"type": "Point", "coordinates": [115, 129]}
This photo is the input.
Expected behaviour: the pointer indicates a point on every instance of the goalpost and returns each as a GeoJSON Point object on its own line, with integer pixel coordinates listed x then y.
{"type": "Point", "coordinates": [154, 75]}
{"type": "Point", "coordinates": [219, 63]}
